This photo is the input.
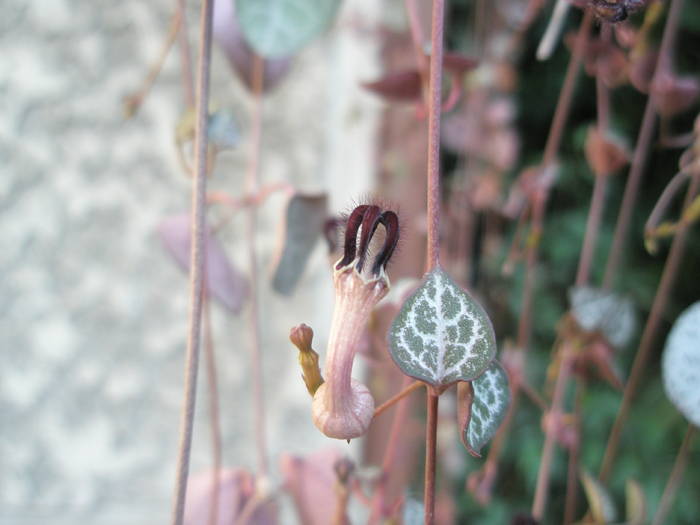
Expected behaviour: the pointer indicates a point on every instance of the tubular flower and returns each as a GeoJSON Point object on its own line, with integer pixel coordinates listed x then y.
{"type": "Point", "coordinates": [343, 407]}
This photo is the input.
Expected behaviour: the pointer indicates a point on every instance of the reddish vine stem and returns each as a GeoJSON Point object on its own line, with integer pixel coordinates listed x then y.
{"type": "Point", "coordinates": [378, 503]}
{"type": "Point", "coordinates": [214, 421]}
{"type": "Point", "coordinates": [641, 150]}
{"type": "Point", "coordinates": [668, 278]}
{"type": "Point", "coordinates": [430, 453]}
{"type": "Point", "coordinates": [134, 101]}
{"type": "Point", "coordinates": [561, 114]}
{"type": "Point", "coordinates": [595, 215]}
{"type": "Point", "coordinates": [252, 188]}
{"type": "Point", "coordinates": [185, 55]}
{"type": "Point", "coordinates": [675, 478]}
{"type": "Point", "coordinates": [415, 385]}
{"type": "Point", "coordinates": [433, 227]}
{"type": "Point", "coordinates": [196, 262]}
{"type": "Point", "coordinates": [435, 102]}
{"type": "Point", "coordinates": [538, 207]}
{"type": "Point", "coordinates": [542, 490]}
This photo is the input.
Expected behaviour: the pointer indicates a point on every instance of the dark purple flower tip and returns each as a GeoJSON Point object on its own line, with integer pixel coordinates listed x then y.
{"type": "Point", "coordinates": [365, 219]}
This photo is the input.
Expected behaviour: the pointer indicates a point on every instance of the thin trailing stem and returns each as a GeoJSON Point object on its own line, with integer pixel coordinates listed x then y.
{"type": "Point", "coordinates": [252, 188]}
{"type": "Point", "coordinates": [668, 278]}
{"type": "Point", "coordinates": [430, 455]}
{"type": "Point", "coordinates": [641, 151]}
{"type": "Point", "coordinates": [196, 263]}
{"type": "Point", "coordinates": [561, 114]}
{"type": "Point", "coordinates": [537, 207]}
{"type": "Point", "coordinates": [434, 110]}
{"type": "Point", "coordinates": [214, 420]}
{"type": "Point", "coordinates": [572, 469]}
{"type": "Point", "coordinates": [415, 385]}
{"type": "Point", "coordinates": [390, 452]}
{"type": "Point", "coordinates": [185, 55]}
{"type": "Point", "coordinates": [675, 478]}
{"type": "Point", "coordinates": [133, 102]}
{"type": "Point", "coordinates": [542, 490]}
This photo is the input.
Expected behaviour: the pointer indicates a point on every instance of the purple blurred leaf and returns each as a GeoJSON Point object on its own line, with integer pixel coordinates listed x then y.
{"type": "Point", "coordinates": [403, 86]}
{"type": "Point", "coordinates": [223, 281]}
{"type": "Point", "coordinates": [303, 225]}
{"type": "Point", "coordinates": [236, 490]}
{"type": "Point", "coordinates": [459, 64]}
{"type": "Point", "coordinates": [311, 483]}
{"type": "Point", "coordinates": [229, 38]}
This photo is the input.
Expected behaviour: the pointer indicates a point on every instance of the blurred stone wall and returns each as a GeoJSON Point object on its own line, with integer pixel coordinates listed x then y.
{"type": "Point", "coordinates": [93, 312]}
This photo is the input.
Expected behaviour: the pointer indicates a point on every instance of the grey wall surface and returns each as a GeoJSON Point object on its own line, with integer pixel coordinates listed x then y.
{"type": "Point", "coordinates": [93, 313]}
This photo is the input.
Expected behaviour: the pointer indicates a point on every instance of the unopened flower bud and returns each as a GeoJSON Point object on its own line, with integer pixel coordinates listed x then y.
{"type": "Point", "coordinates": [302, 336]}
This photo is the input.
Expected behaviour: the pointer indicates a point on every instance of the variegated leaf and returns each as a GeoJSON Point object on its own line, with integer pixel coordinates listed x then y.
{"type": "Point", "coordinates": [442, 335]}
{"type": "Point", "coordinates": [483, 404]}
{"type": "Point", "coordinates": [598, 310]}
{"type": "Point", "coordinates": [279, 28]}
{"type": "Point", "coordinates": [681, 364]}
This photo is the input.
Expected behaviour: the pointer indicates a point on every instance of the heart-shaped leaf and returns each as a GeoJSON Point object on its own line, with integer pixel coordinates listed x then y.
{"type": "Point", "coordinates": [598, 310]}
{"type": "Point", "coordinates": [223, 281]}
{"type": "Point", "coordinates": [482, 405]}
{"type": "Point", "coordinates": [280, 28]}
{"type": "Point", "coordinates": [442, 335]}
{"type": "Point", "coordinates": [228, 37]}
{"type": "Point", "coordinates": [306, 215]}
{"type": "Point", "coordinates": [681, 364]}
{"type": "Point", "coordinates": [601, 504]}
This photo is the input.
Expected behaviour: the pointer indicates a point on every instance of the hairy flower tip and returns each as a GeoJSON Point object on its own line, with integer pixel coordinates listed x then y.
{"type": "Point", "coordinates": [361, 227]}
{"type": "Point", "coordinates": [613, 11]}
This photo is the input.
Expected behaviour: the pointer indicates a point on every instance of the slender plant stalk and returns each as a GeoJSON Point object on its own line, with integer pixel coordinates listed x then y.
{"type": "Point", "coordinates": [668, 278]}
{"type": "Point", "coordinates": [674, 480]}
{"type": "Point", "coordinates": [595, 215]}
{"type": "Point", "coordinates": [415, 385]}
{"type": "Point", "coordinates": [572, 469]}
{"type": "Point", "coordinates": [134, 101]}
{"type": "Point", "coordinates": [397, 425]}
{"type": "Point", "coordinates": [214, 420]}
{"type": "Point", "coordinates": [641, 151]}
{"type": "Point", "coordinates": [542, 490]}
{"type": "Point", "coordinates": [185, 55]}
{"type": "Point", "coordinates": [196, 262]}
{"type": "Point", "coordinates": [537, 211]}
{"type": "Point", "coordinates": [433, 227]}
{"type": "Point", "coordinates": [435, 102]}
{"type": "Point", "coordinates": [252, 188]}
{"type": "Point", "coordinates": [561, 115]}
{"type": "Point", "coordinates": [430, 453]}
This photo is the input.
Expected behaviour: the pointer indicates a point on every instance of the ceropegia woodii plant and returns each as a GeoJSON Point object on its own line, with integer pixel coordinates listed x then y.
{"type": "Point", "coordinates": [442, 335]}
{"type": "Point", "coordinates": [483, 404]}
{"type": "Point", "coordinates": [681, 364]}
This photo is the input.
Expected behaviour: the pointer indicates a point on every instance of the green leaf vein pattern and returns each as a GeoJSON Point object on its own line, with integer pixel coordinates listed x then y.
{"type": "Point", "coordinates": [489, 407]}
{"type": "Point", "coordinates": [442, 335]}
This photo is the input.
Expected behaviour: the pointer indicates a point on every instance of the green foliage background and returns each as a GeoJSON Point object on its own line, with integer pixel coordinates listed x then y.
{"type": "Point", "coordinates": [655, 428]}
